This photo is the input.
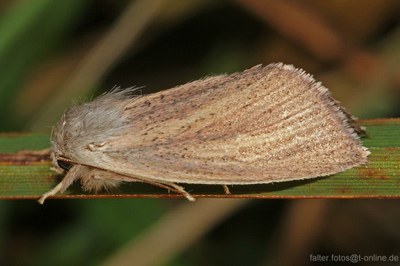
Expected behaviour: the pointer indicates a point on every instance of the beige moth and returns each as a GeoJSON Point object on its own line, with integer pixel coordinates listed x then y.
{"type": "Point", "coordinates": [263, 125]}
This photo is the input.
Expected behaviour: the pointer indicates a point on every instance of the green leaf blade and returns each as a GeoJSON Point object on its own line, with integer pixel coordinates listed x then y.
{"type": "Point", "coordinates": [29, 177]}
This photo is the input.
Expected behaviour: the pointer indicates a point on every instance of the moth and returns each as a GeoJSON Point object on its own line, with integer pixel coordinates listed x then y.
{"type": "Point", "coordinates": [263, 125]}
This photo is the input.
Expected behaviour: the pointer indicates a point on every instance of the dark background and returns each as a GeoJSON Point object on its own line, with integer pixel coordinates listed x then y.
{"type": "Point", "coordinates": [52, 52]}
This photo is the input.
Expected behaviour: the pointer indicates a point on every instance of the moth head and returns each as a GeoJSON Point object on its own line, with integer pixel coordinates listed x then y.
{"type": "Point", "coordinates": [67, 136]}
{"type": "Point", "coordinates": [84, 124]}
{"type": "Point", "coordinates": [58, 157]}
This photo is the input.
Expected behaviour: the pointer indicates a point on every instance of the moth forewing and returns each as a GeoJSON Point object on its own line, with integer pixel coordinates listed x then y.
{"type": "Point", "coordinates": [265, 124]}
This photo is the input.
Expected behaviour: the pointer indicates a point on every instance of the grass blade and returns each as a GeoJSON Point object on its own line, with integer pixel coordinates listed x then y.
{"type": "Point", "coordinates": [27, 175]}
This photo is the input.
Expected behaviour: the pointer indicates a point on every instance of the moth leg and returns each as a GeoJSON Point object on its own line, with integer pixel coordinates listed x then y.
{"type": "Point", "coordinates": [96, 179]}
{"type": "Point", "coordinates": [69, 178]}
{"type": "Point", "coordinates": [161, 185]}
{"type": "Point", "coordinates": [226, 189]}
{"type": "Point", "coordinates": [52, 192]}
{"type": "Point", "coordinates": [181, 190]}
{"type": "Point", "coordinates": [171, 186]}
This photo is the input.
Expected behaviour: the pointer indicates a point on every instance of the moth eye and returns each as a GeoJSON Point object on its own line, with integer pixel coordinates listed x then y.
{"type": "Point", "coordinates": [64, 165]}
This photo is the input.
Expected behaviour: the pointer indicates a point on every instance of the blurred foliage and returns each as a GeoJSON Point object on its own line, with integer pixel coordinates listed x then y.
{"type": "Point", "coordinates": [29, 31]}
{"type": "Point", "coordinates": [352, 46]}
